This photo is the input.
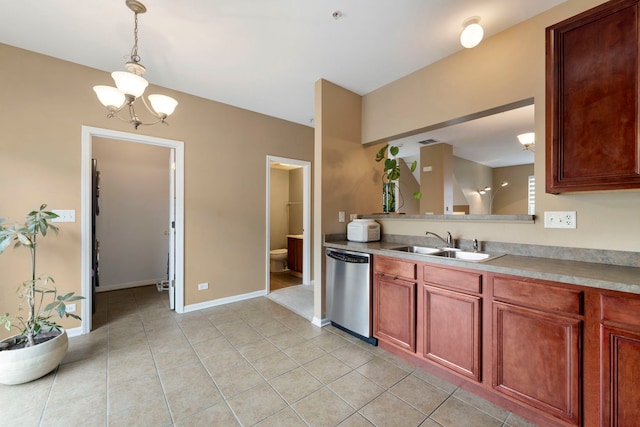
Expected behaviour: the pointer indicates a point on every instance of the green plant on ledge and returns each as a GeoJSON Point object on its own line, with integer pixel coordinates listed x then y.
{"type": "Point", "coordinates": [391, 170]}
{"type": "Point", "coordinates": [33, 291]}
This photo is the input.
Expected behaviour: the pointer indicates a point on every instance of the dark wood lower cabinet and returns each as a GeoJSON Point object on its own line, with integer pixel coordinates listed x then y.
{"type": "Point", "coordinates": [537, 359]}
{"type": "Point", "coordinates": [451, 328]}
{"type": "Point", "coordinates": [620, 360]}
{"type": "Point", "coordinates": [294, 254]}
{"type": "Point", "coordinates": [394, 313]}
{"type": "Point", "coordinates": [621, 377]}
{"type": "Point", "coordinates": [557, 354]}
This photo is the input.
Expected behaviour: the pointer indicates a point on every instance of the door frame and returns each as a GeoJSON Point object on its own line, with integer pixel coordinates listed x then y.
{"type": "Point", "coordinates": [306, 217]}
{"type": "Point", "coordinates": [88, 133]}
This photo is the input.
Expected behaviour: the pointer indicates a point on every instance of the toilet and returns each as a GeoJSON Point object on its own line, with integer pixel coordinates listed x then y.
{"type": "Point", "coordinates": [278, 260]}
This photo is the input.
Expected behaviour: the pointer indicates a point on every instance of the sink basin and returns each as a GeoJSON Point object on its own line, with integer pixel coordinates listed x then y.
{"type": "Point", "coordinates": [448, 253]}
{"type": "Point", "coordinates": [466, 255]}
{"type": "Point", "coordinates": [424, 250]}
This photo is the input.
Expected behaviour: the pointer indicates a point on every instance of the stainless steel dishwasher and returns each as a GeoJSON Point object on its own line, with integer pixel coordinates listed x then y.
{"type": "Point", "coordinates": [349, 295]}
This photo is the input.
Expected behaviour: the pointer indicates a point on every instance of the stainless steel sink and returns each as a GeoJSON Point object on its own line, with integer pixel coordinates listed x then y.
{"type": "Point", "coordinates": [453, 253]}
{"type": "Point", "coordinates": [466, 255]}
{"type": "Point", "coordinates": [423, 250]}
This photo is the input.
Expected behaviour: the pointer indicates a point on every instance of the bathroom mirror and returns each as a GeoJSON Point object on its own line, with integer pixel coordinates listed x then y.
{"type": "Point", "coordinates": [473, 165]}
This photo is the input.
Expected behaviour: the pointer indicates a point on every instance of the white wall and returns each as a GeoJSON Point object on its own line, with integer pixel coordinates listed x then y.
{"type": "Point", "coordinates": [134, 212]}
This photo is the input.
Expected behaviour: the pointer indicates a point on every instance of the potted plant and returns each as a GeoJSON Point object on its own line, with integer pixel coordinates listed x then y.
{"type": "Point", "coordinates": [390, 176]}
{"type": "Point", "coordinates": [42, 343]}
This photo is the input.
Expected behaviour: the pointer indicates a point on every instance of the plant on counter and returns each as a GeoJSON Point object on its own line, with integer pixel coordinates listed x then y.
{"type": "Point", "coordinates": [391, 174]}
{"type": "Point", "coordinates": [38, 320]}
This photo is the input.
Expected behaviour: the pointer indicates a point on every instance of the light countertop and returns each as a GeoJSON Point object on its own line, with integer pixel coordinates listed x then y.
{"type": "Point", "coordinates": [589, 274]}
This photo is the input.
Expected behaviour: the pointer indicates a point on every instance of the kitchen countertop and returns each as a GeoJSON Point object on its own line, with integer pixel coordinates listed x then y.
{"type": "Point", "coordinates": [589, 274]}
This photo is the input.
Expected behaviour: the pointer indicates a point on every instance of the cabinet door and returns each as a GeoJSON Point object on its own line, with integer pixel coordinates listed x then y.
{"type": "Point", "coordinates": [620, 369]}
{"type": "Point", "coordinates": [620, 359]}
{"type": "Point", "coordinates": [394, 315]}
{"type": "Point", "coordinates": [451, 328]}
{"type": "Point", "coordinates": [592, 100]}
{"type": "Point", "coordinates": [536, 359]}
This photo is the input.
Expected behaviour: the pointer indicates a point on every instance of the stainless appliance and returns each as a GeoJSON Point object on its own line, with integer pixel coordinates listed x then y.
{"type": "Point", "coordinates": [349, 294]}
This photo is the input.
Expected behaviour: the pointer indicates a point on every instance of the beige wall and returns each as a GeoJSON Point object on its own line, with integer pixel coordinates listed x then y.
{"type": "Point", "coordinates": [346, 173]}
{"type": "Point", "coordinates": [225, 176]}
{"type": "Point", "coordinates": [472, 177]}
{"type": "Point", "coordinates": [279, 224]}
{"type": "Point", "coordinates": [436, 185]}
{"type": "Point", "coordinates": [507, 67]}
{"type": "Point", "coordinates": [512, 199]}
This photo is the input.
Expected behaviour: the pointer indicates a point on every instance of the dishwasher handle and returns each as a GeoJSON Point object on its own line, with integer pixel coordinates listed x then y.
{"type": "Point", "coordinates": [350, 257]}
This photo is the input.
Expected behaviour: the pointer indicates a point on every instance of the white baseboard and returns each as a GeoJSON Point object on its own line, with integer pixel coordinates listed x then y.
{"type": "Point", "coordinates": [117, 286]}
{"type": "Point", "coordinates": [74, 332]}
{"type": "Point", "coordinates": [320, 322]}
{"type": "Point", "coordinates": [223, 301]}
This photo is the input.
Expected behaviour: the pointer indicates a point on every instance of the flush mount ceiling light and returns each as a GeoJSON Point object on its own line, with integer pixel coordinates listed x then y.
{"type": "Point", "coordinates": [130, 85]}
{"type": "Point", "coordinates": [528, 140]}
{"type": "Point", "coordinates": [472, 34]}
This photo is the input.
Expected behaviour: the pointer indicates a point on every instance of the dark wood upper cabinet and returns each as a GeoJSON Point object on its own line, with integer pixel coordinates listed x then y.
{"type": "Point", "coordinates": [592, 114]}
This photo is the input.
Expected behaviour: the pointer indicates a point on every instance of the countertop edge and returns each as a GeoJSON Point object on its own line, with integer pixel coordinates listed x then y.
{"type": "Point", "coordinates": [592, 275]}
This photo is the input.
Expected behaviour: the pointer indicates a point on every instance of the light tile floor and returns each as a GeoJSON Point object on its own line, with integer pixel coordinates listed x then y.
{"type": "Point", "coordinates": [243, 364]}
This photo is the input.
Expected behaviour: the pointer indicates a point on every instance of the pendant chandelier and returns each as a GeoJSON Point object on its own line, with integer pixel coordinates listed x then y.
{"type": "Point", "coordinates": [130, 85]}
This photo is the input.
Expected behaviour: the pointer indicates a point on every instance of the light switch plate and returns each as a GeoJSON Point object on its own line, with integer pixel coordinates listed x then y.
{"type": "Point", "coordinates": [565, 219]}
{"type": "Point", "coordinates": [64, 215]}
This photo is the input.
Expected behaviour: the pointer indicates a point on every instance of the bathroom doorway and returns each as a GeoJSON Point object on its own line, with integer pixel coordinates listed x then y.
{"type": "Point", "coordinates": [288, 245]}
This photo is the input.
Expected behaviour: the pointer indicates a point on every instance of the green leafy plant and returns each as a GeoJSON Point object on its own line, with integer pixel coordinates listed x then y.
{"type": "Point", "coordinates": [34, 291]}
{"type": "Point", "coordinates": [391, 170]}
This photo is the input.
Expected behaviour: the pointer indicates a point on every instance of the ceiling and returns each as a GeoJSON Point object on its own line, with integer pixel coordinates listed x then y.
{"type": "Point", "coordinates": [259, 55]}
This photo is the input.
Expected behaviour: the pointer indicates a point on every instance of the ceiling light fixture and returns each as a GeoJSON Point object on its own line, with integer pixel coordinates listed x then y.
{"type": "Point", "coordinates": [130, 85]}
{"type": "Point", "coordinates": [484, 190]}
{"type": "Point", "coordinates": [472, 34]}
{"type": "Point", "coordinates": [528, 140]}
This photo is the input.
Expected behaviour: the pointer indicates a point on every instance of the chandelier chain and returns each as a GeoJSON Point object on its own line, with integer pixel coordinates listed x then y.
{"type": "Point", "coordinates": [134, 51]}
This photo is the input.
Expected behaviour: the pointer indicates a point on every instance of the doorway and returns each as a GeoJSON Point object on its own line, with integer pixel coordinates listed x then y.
{"type": "Point", "coordinates": [175, 220]}
{"type": "Point", "coordinates": [288, 218]}
{"type": "Point", "coordinates": [288, 226]}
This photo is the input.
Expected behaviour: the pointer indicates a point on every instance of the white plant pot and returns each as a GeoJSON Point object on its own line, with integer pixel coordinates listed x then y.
{"type": "Point", "coordinates": [30, 363]}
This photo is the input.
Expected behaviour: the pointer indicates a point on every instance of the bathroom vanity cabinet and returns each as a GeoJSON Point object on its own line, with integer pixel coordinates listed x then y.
{"type": "Point", "coordinates": [559, 354]}
{"type": "Point", "coordinates": [294, 254]}
{"type": "Point", "coordinates": [593, 73]}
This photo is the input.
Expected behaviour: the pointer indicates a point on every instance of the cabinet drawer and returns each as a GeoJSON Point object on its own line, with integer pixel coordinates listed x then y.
{"type": "Point", "coordinates": [464, 281]}
{"type": "Point", "coordinates": [620, 309]}
{"type": "Point", "coordinates": [395, 267]}
{"type": "Point", "coordinates": [538, 295]}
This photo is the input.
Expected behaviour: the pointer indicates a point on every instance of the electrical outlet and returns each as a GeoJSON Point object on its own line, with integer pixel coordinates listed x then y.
{"type": "Point", "coordinates": [70, 308]}
{"type": "Point", "coordinates": [352, 217]}
{"type": "Point", "coordinates": [64, 215]}
{"type": "Point", "coordinates": [203, 286]}
{"type": "Point", "coordinates": [560, 220]}
{"type": "Point", "coordinates": [341, 216]}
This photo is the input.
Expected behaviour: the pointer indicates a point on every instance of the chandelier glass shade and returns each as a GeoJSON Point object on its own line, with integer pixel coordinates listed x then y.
{"type": "Point", "coordinates": [130, 86]}
{"type": "Point", "coordinates": [527, 140]}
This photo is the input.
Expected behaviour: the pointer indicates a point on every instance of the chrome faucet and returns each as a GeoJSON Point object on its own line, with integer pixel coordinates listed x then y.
{"type": "Point", "coordinates": [475, 245]}
{"type": "Point", "coordinates": [448, 241]}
